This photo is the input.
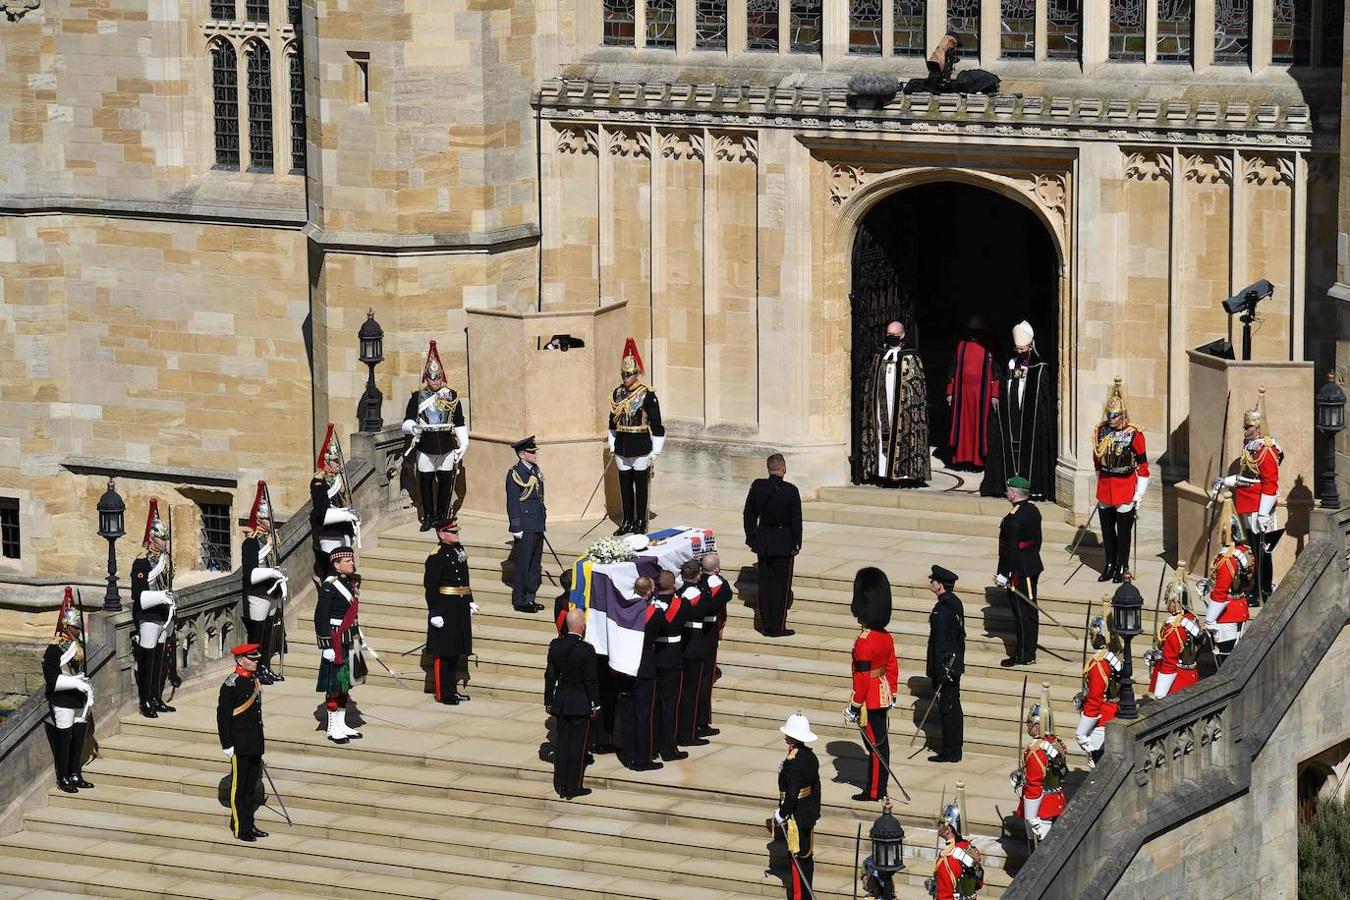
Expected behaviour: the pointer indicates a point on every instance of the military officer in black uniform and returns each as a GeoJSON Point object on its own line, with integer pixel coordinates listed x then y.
{"type": "Point", "coordinates": [240, 727]}
{"type": "Point", "coordinates": [1019, 568]}
{"type": "Point", "coordinates": [70, 696]}
{"type": "Point", "coordinates": [435, 420]}
{"type": "Point", "coordinates": [636, 438]}
{"type": "Point", "coordinates": [773, 529]}
{"type": "Point", "coordinates": [669, 657]}
{"type": "Point", "coordinates": [450, 607]}
{"type": "Point", "coordinates": [947, 662]}
{"type": "Point", "coordinates": [700, 651]}
{"type": "Point", "coordinates": [526, 518]}
{"type": "Point", "coordinates": [798, 804]}
{"type": "Point", "coordinates": [714, 620]}
{"type": "Point", "coordinates": [639, 718]}
{"type": "Point", "coordinates": [572, 697]}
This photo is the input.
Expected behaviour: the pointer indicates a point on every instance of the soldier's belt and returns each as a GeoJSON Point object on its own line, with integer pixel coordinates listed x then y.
{"type": "Point", "coordinates": [447, 591]}
{"type": "Point", "coordinates": [710, 620]}
{"type": "Point", "coordinates": [633, 429]}
{"type": "Point", "coordinates": [1189, 668]}
{"type": "Point", "coordinates": [1122, 472]}
{"type": "Point", "coordinates": [669, 640]}
{"type": "Point", "coordinates": [803, 793]}
{"type": "Point", "coordinates": [698, 625]}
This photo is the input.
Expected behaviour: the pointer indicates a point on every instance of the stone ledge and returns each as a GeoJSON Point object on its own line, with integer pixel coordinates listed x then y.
{"type": "Point", "coordinates": [497, 240]}
{"type": "Point", "coordinates": [262, 216]}
{"type": "Point", "coordinates": [123, 468]}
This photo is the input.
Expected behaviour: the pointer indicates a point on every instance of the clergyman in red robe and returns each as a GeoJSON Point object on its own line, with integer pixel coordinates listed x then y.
{"type": "Point", "coordinates": [972, 390]}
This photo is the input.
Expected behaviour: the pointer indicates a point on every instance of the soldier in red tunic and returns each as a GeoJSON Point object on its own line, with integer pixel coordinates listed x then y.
{"type": "Point", "coordinates": [1044, 765]}
{"type": "Point", "coordinates": [1256, 495]}
{"type": "Point", "coordinates": [1174, 663]}
{"type": "Point", "coordinates": [1120, 457]}
{"type": "Point", "coordinates": [876, 675]}
{"type": "Point", "coordinates": [958, 871]}
{"type": "Point", "coordinates": [1100, 699]}
{"type": "Point", "coordinates": [1230, 577]}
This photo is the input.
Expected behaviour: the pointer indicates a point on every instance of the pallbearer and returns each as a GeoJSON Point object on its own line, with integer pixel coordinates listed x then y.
{"type": "Point", "coordinates": [265, 585]}
{"type": "Point", "coordinates": [875, 675]}
{"type": "Point", "coordinates": [1256, 494]}
{"type": "Point", "coordinates": [240, 728]}
{"type": "Point", "coordinates": [636, 438]}
{"type": "Point", "coordinates": [435, 419]}
{"type": "Point", "coordinates": [450, 608]}
{"type": "Point", "coordinates": [340, 665]}
{"type": "Point", "coordinates": [153, 604]}
{"type": "Point", "coordinates": [698, 653]}
{"type": "Point", "coordinates": [572, 697]}
{"type": "Point", "coordinates": [1121, 459]}
{"type": "Point", "coordinates": [718, 590]}
{"type": "Point", "coordinates": [798, 804]}
{"type": "Point", "coordinates": [1175, 663]}
{"type": "Point", "coordinates": [70, 696]}
{"type": "Point", "coordinates": [1231, 575]}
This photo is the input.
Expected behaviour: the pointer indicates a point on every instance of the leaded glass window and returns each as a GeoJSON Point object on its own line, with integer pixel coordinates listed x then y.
{"type": "Point", "coordinates": [911, 22]}
{"type": "Point", "coordinates": [1175, 23]}
{"type": "Point", "coordinates": [1291, 32]}
{"type": "Point", "coordinates": [215, 537]}
{"type": "Point", "coordinates": [1333, 32]}
{"type": "Point", "coordinates": [293, 12]}
{"type": "Point", "coordinates": [805, 20]}
{"type": "Point", "coordinates": [661, 24]}
{"type": "Point", "coordinates": [864, 27]}
{"type": "Point", "coordinates": [296, 71]}
{"type": "Point", "coordinates": [225, 104]}
{"type": "Point", "coordinates": [222, 10]}
{"type": "Point", "coordinates": [761, 25]}
{"type": "Point", "coordinates": [256, 10]}
{"type": "Point", "coordinates": [710, 25]}
{"type": "Point", "coordinates": [1063, 29]}
{"type": "Point", "coordinates": [259, 107]}
{"type": "Point", "coordinates": [1232, 32]}
{"type": "Point", "coordinates": [1126, 41]}
{"type": "Point", "coordinates": [1017, 39]}
{"type": "Point", "coordinates": [620, 22]}
{"type": "Point", "coordinates": [963, 22]}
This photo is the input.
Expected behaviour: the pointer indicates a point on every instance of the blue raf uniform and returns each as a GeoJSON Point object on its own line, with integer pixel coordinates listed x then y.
{"type": "Point", "coordinates": [526, 515]}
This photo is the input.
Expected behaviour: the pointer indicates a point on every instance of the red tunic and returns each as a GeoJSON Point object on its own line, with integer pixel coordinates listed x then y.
{"type": "Point", "coordinates": [1036, 762]}
{"type": "Point", "coordinates": [1174, 636]}
{"type": "Point", "coordinates": [970, 391]}
{"type": "Point", "coordinates": [1124, 463]}
{"type": "Point", "coordinates": [1260, 465]}
{"type": "Point", "coordinates": [1095, 679]}
{"type": "Point", "coordinates": [874, 659]}
{"type": "Point", "coordinates": [947, 869]}
{"type": "Point", "coordinates": [1225, 571]}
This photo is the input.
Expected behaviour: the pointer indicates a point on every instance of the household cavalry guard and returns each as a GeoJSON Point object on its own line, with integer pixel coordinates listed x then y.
{"type": "Point", "coordinates": [1039, 780]}
{"type": "Point", "coordinates": [958, 871]}
{"type": "Point", "coordinates": [435, 419]}
{"type": "Point", "coordinates": [341, 665]}
{"type": "Point", "coordinates": [239, 725]}
{"type": "Point", "coordinates": [1174, 661]}
{"type": "Point", "coordinates": [265, 585]}
{"type": "Point", "coordinates": [636, 438]}
{"type": "Point", "coordinates": [1256, 494]}
{"type": "Point", "coordinates": [1099, 701]}
{"type": "Point", "coordinates": [70, 697]}
{"type": "Point", "coordinates": [153, 605]}
{"type": "Point", "coordinates": [450, 607]}
{"type": "Point", "coordinates": [1120, 457]}
{"type": "Point", "coordinates": [1231, 575]}
{"type": "Point", "coordinates": [331, 518]}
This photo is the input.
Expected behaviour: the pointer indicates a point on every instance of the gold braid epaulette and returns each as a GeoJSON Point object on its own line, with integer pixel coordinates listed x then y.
{"type": "Point", "coordinates": [527, 488]}
{"type": "Point", "coordinates": [638, 390]}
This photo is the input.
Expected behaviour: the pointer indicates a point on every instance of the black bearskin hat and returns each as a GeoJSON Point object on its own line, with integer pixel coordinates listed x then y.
{"type": "Point", "coordinates": [871, 597]}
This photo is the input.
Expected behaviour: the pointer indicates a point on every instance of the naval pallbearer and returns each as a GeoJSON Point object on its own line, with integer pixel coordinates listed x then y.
{"type": "Point", "coordinates": [153, 604]}
{"type": "Point", "coordinates": [70, 696]}
{"type": "Point", "coordinates": [239, 726]}
{"type": "Point", "coordinates": [636, 438]}
{"type": "Point", "coordinates": [526, 518]}
{"type": "Point", "coordinates": [798, 804]}
{"type": "Point", "coordinates": [450, 610]}
{"type": "Point", "coordinates": [435, 419]}
{"type": "Point", "coordinates": [572, 697]}
{"type": "Point", "coordinates": [1120, 456]}
{"type": "Point", "coordinates": [265, 585]}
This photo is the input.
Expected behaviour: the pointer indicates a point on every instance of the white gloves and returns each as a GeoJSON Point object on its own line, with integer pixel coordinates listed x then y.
{"type": "Point", "coordinates": [777, 818]}
{"type": "Point", "coordinates": [412, 426]}
{"type": "Point", "coordinates": [264, 573]}
{"type": "Point", "coordinates": [228, 751]}
{"type": "Point", "coordinates": [1125, 507]}
{"type": "Point", "coordinates": [473, 608]}
{"type": "Point", "coordinates": [437, 622]}
{"type": "Point", "coordinates": [610, 441]}
{"type": "Point", "coordinates": [336, 515]}
{"type": "Point", "coordinates": [852, 714]}
{"type": "Point", "coordinates": [1001, 580]}
{"type": "Point", "coordinates": [330, 655]}
{"type": "Point", "coordinates": [658, 444]}
{"type": "Point", "coordinates": [517, 534]}
{"type": "Point", "coordinates": [151, 599]}
{"type": "Point", "coordinates": [73, 683]}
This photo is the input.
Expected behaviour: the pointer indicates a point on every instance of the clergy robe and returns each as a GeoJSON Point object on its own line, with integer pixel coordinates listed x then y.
{"type": "Point", "coordinates": [971, 389]}
{"type": "Point", "coordinates": [895, 434]}
{"type": "Point", "coordinates": [1022, 436]}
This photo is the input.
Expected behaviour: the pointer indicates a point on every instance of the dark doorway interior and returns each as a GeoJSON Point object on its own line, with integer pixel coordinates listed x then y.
{"type": "Point", "coordinates": [933, 255]}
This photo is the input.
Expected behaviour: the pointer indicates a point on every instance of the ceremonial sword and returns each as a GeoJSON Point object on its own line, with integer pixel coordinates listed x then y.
{"type": "Point", "coordinates": [1078, 540]}
{"type": "Point", "coordinates": [873, 748]}
{"type": "Point", "coordinates": [276, 793]}
{"type": "Point", "coordinates": [1012, 590]}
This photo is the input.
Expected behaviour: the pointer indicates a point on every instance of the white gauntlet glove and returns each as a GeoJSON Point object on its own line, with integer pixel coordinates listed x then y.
{"type": "Point", "coordinates": [1001, 580]}
{"type": "Point", "coordinates": [329, 655]}
{"type": "Point", "coordinates": [228, 751]}
{"type": "Point", "coordinates": [610, 441]}
{"type": "Point", "coordinates": [437, 622]}
{"type": "Point", "coordinates": [473, 608]}
{"type": "Point", "coordinates": [72, 683]}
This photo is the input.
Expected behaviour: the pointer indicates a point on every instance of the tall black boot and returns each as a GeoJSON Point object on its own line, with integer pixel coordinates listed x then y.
{"type": "Point", "coordinates": [445, 493]}
{"type": "Point", "coordinates": [61, 758]}
{"type": "Point", "coordinates": [426, 487]}
{"type": "Point", "coordinates": [1107, 515]}
{"type": "Point", "coordinates": [641, 481]}
{"type": "Point", "coordinates": [626, 499]}
{"type": "Point", "coordinates": [271, 640]}
{"type": "Point", "coordinates": [142, 658]}
{"type": "Point", "coordinates": [1125, 531]}
{"type": "Point", "coordinates": [161, 655]}
{"type": "Point", "coordinates": [75, 761]}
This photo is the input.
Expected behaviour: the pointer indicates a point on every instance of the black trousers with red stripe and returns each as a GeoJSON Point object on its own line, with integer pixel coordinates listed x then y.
{"type": "Point", "coordinates": [800, 875]}
{"type": "Point", "coordinates": [444, 671]}
{"type": "Point", "coordinates": [570, 737]}
{"type": "Point", "coordinates": [669, 683]}
{"type": "Point", "coordinates": [639, 721]}
{"type": "Point", "coordinates": [694, 697]}
{"type": "Point", "coordinates": [879, 735]}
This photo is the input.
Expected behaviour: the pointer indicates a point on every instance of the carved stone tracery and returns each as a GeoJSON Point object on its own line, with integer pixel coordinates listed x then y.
{"type": "Point", "coordinates": [578, 140]}
{"type": "Point", "coordinates": [16, 9]}
{"type": "Point", "coordinates": [1272, 170]}
{"type": "Point", "coordinates": [629, 142]}
{"type": "Point", "coordinates": [735, 146]}
{"type": "Point", "coordinates": [1148, 165]}
{"type": "Point", "coordinates": [1208, 168]}
{"type": "Point", "coordinates": [680, 144]}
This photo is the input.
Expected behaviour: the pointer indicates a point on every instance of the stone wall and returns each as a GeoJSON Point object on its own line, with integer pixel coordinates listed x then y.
{"type": "Point", "coordinates": [20, 670]}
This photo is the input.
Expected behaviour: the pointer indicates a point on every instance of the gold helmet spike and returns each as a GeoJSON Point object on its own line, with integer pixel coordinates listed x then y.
{"type": "Point", "coordinates": [961, 805]}
{"type": "Point", "coordinates": [1047, 714]}
{"type": "Point", "coordinates": [1256, 416]}
{"type": "Point", "coordinates": [1179, 590]}
{"type": "Point", "coordinates": [1115, 400]}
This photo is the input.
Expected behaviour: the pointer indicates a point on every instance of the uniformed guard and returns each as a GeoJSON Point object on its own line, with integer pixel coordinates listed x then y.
{"type": "Point", "coordinates": [1039, 780]}
{"type": "Point", "coordinates": [772, 518]}
{"type": "Point", "coordinates": [958, 871]}
{"type": "Point", "coordinates": [1174, 662]}
{"type": "Point", "coordinates": [1121, 459]}
{"type": "Point", "coordinates": [153, 604]}
{"type": "Point", "coordinates": [636, 438]}
{"type": "Point", "coordinates": [435, 419]}
{"type": "Point", "coordinates": [718, 591]}
{"type": "Point", "coordinates": [876, 675]}
{"type": "Point", "coordinates": [1256, 496]}
{"type": "Point", "coordinates": [265, 585]}
{"type": "Point", "coordinates": [572, 697]}
{"type": "Point", "coordinates": [1230, 578]}
{"type": "Point", "coordinates": [798, 807]}
{"type": "Point", "coordinates": [450, 611]}
{"type": "Point", "coordinates": [240, 727]}
{"type": "Point", "coordinates": [331, 518]}
{"type": "Point", "coordinates": [526, 518]}
{"type": "Point", "coordinates": [341, 666]}
{"type": "Point", "coordinates": [1099, 701]}
{"type": "Point", "coordinates": [947, 662]}
{"type": "Point", "coordinates": [639, 723]}
{"type": "Point", "coordinates": [1019, 569]}
{"type": "Point", "coordinates": [699, 651]}
{"type": "Point", "coordinates": [70, 696]}
{"type": "Point", "coordinates": [669, 657]}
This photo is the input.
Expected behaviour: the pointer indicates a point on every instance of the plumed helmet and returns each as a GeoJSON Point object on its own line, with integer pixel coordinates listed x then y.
{"type": "Point", "coordinates": [329, 451]}
{"type": "Point", "coordinates": [261, 513]}
{"type": "Point", "coordinates": [1179, 591]}
{"type": "Point", "coordinates": [871, 597]}
{"type": "Point", "coordinates": [1256, 416]}
{"type": "Point", "coordinates": [1115, 400]}
{"type": "Point", "coordinates": [155, 526]}
{"type": "Point", "coordinates": [1098, 630]}
{"type": "Point", "coordinates": [951, 815]}
{"type": "Point", "coordinates": [1041, 714]}
{"type": "Point", "coordinates": [631, 362]}
{"type": "Point", "coordinates": [68, 616]}
{"type": "Point", "coordinates": [432, 369]}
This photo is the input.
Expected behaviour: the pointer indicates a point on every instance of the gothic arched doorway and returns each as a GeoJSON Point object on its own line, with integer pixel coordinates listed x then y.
{"type": "Point", "coordinates": [934, 255]}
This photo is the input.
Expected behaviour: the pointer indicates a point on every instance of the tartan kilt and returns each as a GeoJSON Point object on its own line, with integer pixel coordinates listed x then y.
{"type": "Point", "coordinates": [327, 682]}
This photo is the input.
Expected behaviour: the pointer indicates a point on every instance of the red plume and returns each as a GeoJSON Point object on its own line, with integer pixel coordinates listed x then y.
{"type": "Point", "coordinates": [151, 517]}
{"type": "Point", "coordinates": [323, 449]}
{"type": "Point", "coordinates": [66, 604]}
{"type": "Point", "coordinates": [630, 349]}
{"type": "Point", "coordinates": [257, 506]}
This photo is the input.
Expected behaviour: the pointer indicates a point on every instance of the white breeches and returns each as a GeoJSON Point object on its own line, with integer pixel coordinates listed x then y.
{"type": "Point", "coordinates": [633, 463]}
{"type": "Point", "coordinates": [65, 718]}
{"type": "Point", "coordinates": [151, 634]}
{"type": "Point", "coordinates": [259, 608]}
{"type": "Point", "coordinates": [1162, 684]}
{"type": "Point", "coordinates": [1030, 812]}
{"type": "Point", "coordinates": [1227, 631]}
{"type": "Point", "coordinates": [1090, 736]}
{"type": "Point", "coordinates": [436, 462]}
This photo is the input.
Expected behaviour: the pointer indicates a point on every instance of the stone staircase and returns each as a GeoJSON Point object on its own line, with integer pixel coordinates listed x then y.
{"type": "Point", "coordinates": [457, 802]}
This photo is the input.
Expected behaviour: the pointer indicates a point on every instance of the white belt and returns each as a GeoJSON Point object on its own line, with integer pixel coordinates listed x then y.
{"type": "Point", "coordinates": [698, 625]}
{"type": "Point", "coordinates": [711, 620]}
{"type": "Point", "coordinates": [669, 640]}
{"type": "Point", "coordinates": [334, 621]}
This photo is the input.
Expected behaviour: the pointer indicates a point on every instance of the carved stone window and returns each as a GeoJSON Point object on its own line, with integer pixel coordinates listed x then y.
{"type": "Point", "coordinates": [806, 26]}
{"type": "Point", "coordinates": [1332, 32]}
{"type": "Point", "coordinates": [620, 23]}
{"type": "Point", "coordinates": [911, 25]}
{"type": "Point", "coordinates": [259, 107]}
{"type": "Point", "coordinates": [761, 25]}
{"type": "Point", "coordinates": [1232, 32]}
{"type": "Point", "coordinates": [1176, 22]}
{"type": "Point", "coordinates": [710, 25]}
{"type": "Point", "coordinates": [1063, 29]}
{"type": "Point", "coordinates": [225, 104]}
{"type": "Point", "coordinates": [963, 21]}
{"type": "Point", "coordinates": [864, 27]}
{"type": "Point", "coordinates": [1127, 40]}
{"type": "Point", "coordinates": [1291, 32]}
{"type": "Point", "coordinates": [256, 10]}
{"type": "Point", "coordinates": [1018, 37]}
{"type": "Point", "coordinates": [661, 24]}
{"type": "Point", "coordinates": [293, 12]}
{"type": "Point", "coordinates": [222, 10]}
{"type": "Point", "coordinates": [296, 71]}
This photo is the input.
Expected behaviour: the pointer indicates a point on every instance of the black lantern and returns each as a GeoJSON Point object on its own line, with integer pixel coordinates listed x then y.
{"type": "Point", "coordinates": [111, 526]}
{"type": "Point", "coordinates": [1127, 608]}
{"type": "Point", "coordinates": [1330, 406]}
{"type": "Point", "coordinates": [371, 336]}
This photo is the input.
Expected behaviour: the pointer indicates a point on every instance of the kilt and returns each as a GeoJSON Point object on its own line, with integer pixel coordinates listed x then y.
{"type": "Point", "coordinates": [328, 681]}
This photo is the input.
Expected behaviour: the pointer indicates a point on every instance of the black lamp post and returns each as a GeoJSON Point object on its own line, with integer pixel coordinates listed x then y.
{"type": "Point", "coordinates": [1330, 405]}
{"type": "Point", "coordinates": [111, 519]}
{"type": "Point", "coordinates": [1127, 609]}
{"type": "Point", "coordinates": [888, 850]}
{"type": "Point", "coordinates": [372, 352]}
